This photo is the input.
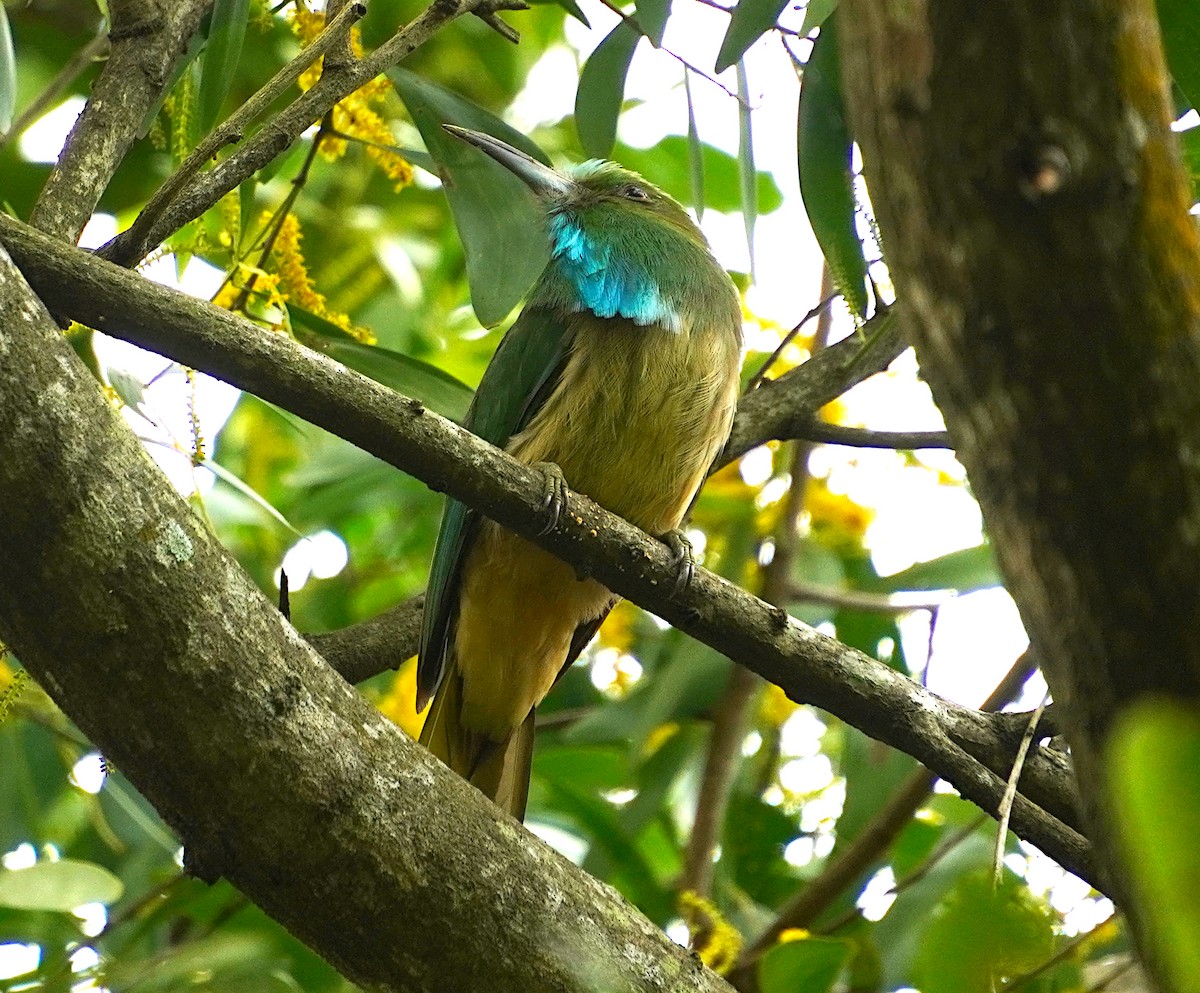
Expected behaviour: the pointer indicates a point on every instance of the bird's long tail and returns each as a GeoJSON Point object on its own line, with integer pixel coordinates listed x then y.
{"type": "Point", "coordinates": [498, 769]}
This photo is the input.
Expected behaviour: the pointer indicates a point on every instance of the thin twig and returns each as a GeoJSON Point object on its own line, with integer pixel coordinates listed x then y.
{"type": "Point", "coordinates": [288, 125]}
{"type": "Point", "coordinates": [62, 79]}
{"type": "Point", "coordinates": [879, 603]}
{"type": "Point", "coordinates": [839, 434]}
{"type": "Point", "coordinates": [633, 24]}
{"type": "Point", "coordinates": [1010, 791]}
{"type": "Point", "coordinates": [788, 338]}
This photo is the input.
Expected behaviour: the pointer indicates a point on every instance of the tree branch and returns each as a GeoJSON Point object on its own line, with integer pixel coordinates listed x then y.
{"type": "Point", "coordinates": [231, 129]}
{"type": "Point", "coordinates": [1035, 217]}
{"type": "Point", "coordinates": [148, 38]}
{"type": "Point", "coordinates": [809, 666]}
{"type": "Point", "coordinates": [283, 129]}
{"type": "Point", "coordinates": [281, 777]}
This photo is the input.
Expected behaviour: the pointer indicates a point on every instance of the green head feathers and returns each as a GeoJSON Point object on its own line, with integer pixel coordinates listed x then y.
{"type": "Point", "coordinates": [619, 246]}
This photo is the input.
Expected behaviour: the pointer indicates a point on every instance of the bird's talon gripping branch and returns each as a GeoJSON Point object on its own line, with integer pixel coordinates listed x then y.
{"type": "Point", "coordinates": [556, 491]}
{"type": "Point", "coordinates": [683, 557]}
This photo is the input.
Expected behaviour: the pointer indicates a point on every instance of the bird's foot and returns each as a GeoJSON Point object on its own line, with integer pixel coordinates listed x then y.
{"type": "Point", "coordinates": [554, 494]}
{"type": "Point", "coordinates": [683, 558]}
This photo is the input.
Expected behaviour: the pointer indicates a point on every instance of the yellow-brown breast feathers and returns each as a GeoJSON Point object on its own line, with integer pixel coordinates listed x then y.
{"type": "Point", "coordinates": [634, 422]}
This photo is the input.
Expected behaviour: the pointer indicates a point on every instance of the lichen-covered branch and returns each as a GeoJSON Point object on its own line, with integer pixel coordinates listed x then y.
{"type": "Point", "coordinates": [148, 37]}
{"type": "Point", "coordinates": [811, 668]}
{"type": "Point", "coordinates": [280, 776]}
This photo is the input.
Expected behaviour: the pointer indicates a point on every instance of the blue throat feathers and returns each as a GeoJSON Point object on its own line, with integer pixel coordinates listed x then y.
{"type": "Point", "coordinates": [606, 282]}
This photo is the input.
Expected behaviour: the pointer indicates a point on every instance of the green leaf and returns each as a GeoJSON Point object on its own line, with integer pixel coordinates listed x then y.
{"type": "Point", "coordinates": [746, 170]}
{"type": "Point", "coordinates": [1019, 932]}
{"type": "Point", "coordinates": [1155, 763]}
{"type": "Point", "coordinates": [750, 20]}
{"type": "Point", "coordinates": [61, 885]}
{"type": "Point", "coordinates": [602, 89]}
{"type": "Point", "coordinates": [570, 6]}
{"type": "Point", "coordinates": [695, 151]}
{"type": "Point", "coordinates": [497, 218]}
{"type": "Point", "coordinates": [817, 13]}
{"type": "Point", "coordinates": [249, 493]}
{"type": "Point", "coordinates": [438, 390]}
{"type": "Point", "coordinates": [652, 18]}
{"type": "Point", "coordinates": [670, 166]}
{"type": "Point", "coordinates": [826, 182]}
{"type": "Point", "coordinates": [965, 570]}
{"type": "Point", "coordinates": [226, 32]}
{"type": "Point", "coordinates": [8, 73]}
{"type": "Point", "coordinates": [1179, 21]}
{"type": "Point", "coordinates": [810, 964]}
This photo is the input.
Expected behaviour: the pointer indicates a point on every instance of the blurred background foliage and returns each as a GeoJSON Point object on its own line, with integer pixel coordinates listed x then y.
{"type": "Point", "coordinates": [349, 243]}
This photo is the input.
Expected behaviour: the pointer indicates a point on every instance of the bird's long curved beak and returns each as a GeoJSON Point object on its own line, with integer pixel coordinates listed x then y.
{"type": "Point", "coordinates": [540, 178]}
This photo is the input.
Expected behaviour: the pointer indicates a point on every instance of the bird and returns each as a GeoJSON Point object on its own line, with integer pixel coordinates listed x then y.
{"type": "Point", "coordinates": [618, 379]}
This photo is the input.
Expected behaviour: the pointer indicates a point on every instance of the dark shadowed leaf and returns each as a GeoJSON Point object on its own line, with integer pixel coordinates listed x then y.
{"type": "Point", "coordinates": [227, 31]}
{"type": "Point", "coordinates": [750, 20]}
{"type": "Point", "coordinates": [497, 218]}
{"type": "Point", "coordinates": [602, 89]}
{"type": "Point", "coordinates": [826, 182]}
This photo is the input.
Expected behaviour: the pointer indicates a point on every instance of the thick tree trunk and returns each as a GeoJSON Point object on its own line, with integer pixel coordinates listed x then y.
{"type": "Point", "coordinates": [1035, 220]}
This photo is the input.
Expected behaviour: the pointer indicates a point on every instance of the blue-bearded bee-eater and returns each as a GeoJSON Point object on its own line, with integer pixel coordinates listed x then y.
{"type": "Point", "coordinates": [621, 371]}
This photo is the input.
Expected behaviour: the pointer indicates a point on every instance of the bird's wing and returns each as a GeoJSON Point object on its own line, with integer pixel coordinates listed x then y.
{"type": "Point", "coordinates": [522, 374]}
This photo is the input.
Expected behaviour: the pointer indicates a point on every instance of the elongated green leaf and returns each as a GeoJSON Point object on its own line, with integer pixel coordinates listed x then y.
{"type": "Point", "coordinates": [669, 164]}
{"type": "Point", "coordinates": [652, 18]}
{"type": "Point", "coordinates": [497, 218]}
{"type": "Point", "coordinates": [1155, 764]}
{"type": "Point", "coordinates": [826, 182]}
{"type": "Point", "coordinates": [816, 13]}
{"type": "Point", "coordinates": [695, 150]}
{"type": "Point", "coordinates": [570, 6]}
{"type": "Point", "coordinates": [810, 964]}
{"type": "Point", "coordinates": [249, 493]}
{"type": "Point", "coordinates": [965, 570]}
{"type": "Point", "coordinates": [226, 32]}
{"type": "Point", "coordinates": [602, 89]}
{"type": "Point", "coordinates": [438, 390]}
{"type": "Point", "coordinates": [8, 73]}
{"type": "Point", "coordinates": [1180, 24]}
{"type": "Point", "coordinates": [61, 885]}
{"type": "Point", "coordinates": [750, 20]}
{"type": "Point", "coordinates": [746, 169]}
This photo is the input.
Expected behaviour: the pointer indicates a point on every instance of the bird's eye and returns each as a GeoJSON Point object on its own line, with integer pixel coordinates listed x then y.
{"type": "Point", "coordinates": [632, 191]}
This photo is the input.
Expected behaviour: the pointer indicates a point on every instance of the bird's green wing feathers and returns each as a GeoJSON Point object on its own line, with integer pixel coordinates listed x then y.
{"type": "Point", "coordinates": [522, 373]}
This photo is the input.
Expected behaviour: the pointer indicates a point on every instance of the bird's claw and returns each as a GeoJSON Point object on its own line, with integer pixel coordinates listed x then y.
{"type": "Point", "coordinates": [683, 558]}
{"type": "Point", "coordinates": [554, 494]}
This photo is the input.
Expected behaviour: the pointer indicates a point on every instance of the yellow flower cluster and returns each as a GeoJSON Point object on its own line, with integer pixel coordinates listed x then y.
{"type": "Point", "coordinates": [713, 938]}
{"type": "Point", "coordinates": [296, 286]}
{"type": "Point", "coordinates": [354, 117]}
